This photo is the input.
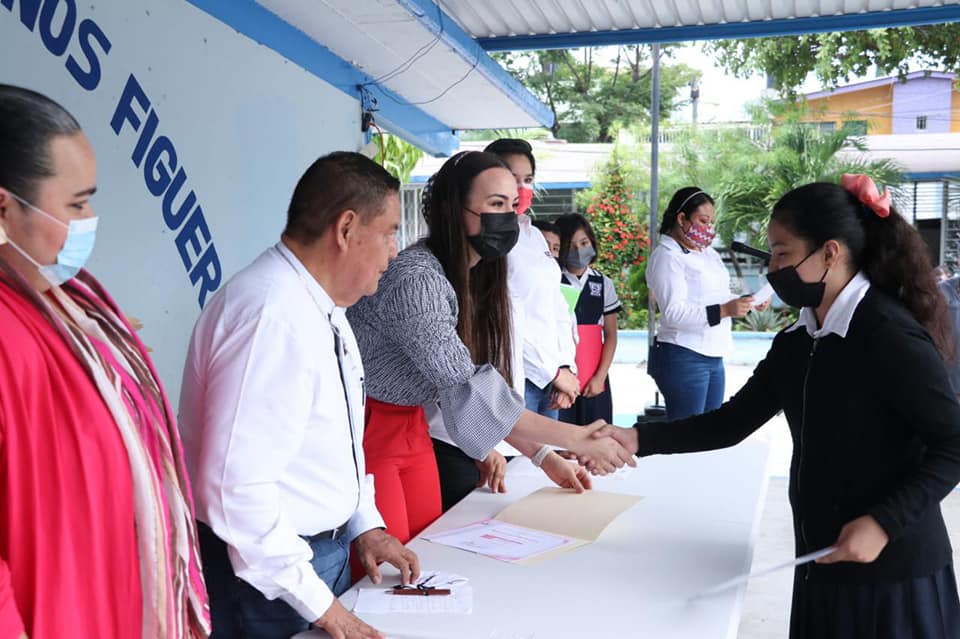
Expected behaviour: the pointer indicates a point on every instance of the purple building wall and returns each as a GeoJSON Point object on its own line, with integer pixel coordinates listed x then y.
{"type": "Point", "coordinates": [919, 97]}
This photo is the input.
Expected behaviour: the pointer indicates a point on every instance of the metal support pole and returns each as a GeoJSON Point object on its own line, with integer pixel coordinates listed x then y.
{"type": "Point", "coordinates": [654, 180]}
{"type": "Point", "coordinates": [944, 223]}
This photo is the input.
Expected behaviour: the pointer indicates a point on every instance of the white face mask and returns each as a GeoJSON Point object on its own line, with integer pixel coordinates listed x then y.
{"type": "Point", "coordinates": [81, 235]}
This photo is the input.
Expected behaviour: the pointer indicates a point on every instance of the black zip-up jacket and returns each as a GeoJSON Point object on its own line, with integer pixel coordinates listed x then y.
{"type": "Point", "coordinates": [876, 431]}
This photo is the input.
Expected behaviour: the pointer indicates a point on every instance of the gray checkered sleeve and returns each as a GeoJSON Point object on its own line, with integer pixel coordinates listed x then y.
{"type": "Point", "coordinates": [481, 412]}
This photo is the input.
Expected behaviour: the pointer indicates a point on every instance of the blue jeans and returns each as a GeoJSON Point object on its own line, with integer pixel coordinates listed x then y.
{"type": "Point", "coordinates": [240, 611]}
{"type": "Point", "coordinates": [538, 399]}
{"type": "Point", "coordinates": [691, 383]}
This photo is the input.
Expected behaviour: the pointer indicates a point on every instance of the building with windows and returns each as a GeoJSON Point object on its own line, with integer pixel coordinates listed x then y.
{"type": "Point", "coordinates": [922, 102]}
{"type": "Point", "coordinates": [929, 197]}
{"type": "Point", "coordinates": [914, 121]}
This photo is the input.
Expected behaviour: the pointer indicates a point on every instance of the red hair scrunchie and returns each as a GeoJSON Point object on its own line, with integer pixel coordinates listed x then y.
{"type": "Point", "coordinates": [866, 191]}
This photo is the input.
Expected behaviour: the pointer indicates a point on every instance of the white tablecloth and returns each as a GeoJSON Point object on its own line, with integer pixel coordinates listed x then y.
{"type": "Point", "coordinates": [694, 528]}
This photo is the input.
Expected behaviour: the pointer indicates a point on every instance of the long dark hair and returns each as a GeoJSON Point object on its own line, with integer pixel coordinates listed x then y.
{"type": "Point", "coordinates": [568, 225]}
{"type": "Point", "coordinates": [484, 319]}
{"type": "Point", "coordinates": [29, 121]}
{"type": "Point", "coordinates": [888, 250]}
{"type": "Point", "coordinates": [686, 200]}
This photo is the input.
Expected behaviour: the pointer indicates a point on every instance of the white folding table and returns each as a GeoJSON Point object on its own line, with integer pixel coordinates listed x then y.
{"type": "Point", "coordinates": [695, 527]}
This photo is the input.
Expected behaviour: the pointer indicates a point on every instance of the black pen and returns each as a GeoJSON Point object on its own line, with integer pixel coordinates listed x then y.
{"type": "Point", "coordinates": [419, 591]}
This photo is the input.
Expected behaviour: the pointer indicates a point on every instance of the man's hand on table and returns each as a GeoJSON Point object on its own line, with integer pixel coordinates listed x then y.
{"type": "Point", "coordinates": [340, 623]}
{"type": "Point", "coordinates": [375, 547]}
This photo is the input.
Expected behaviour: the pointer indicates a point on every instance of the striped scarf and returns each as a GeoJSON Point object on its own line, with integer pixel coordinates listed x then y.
{"type": "Point", "coordinates": [174, 597]}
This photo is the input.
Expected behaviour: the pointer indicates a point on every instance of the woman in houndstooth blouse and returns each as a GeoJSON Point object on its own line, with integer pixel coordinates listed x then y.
{"type": "Point", "coordinates": [438, 330]}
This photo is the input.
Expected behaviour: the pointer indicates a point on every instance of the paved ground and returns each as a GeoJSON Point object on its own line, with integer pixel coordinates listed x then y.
{"type": "Point", "coordinates": [766, 608]}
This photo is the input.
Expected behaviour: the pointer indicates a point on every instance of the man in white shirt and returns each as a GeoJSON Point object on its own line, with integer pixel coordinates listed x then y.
{"type": "Point", "coordinates": [271, 415]}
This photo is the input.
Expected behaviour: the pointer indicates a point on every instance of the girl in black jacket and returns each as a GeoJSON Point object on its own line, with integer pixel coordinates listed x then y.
{"type": "Point", "coordinates": [875, 424]}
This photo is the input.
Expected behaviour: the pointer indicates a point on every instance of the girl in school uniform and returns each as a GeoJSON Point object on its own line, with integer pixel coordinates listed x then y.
{"type": "Point", "coordinates": [596, 310]}
{"type": "Point", "coordinates": [875, 424]}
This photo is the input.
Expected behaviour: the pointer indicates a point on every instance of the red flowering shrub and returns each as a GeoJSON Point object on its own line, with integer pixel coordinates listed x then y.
{"type": "Point", "coordinates": [623, 241]}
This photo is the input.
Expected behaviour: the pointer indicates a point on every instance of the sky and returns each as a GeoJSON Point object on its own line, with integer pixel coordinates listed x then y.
{"type": "Point", "coordinates": [722, 96]}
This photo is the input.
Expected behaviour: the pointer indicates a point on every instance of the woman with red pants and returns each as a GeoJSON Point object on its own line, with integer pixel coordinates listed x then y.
{"type": "Point", "coordinates": [438, 330]}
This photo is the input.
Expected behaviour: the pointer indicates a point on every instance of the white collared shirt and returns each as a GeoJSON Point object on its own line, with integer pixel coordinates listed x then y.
{"type": "Point", "coordinates": [684, 283]}
{"type": "Point", "coordinates": [533, 279]}
{"type": "Point", "coordinates": [840, 313]}
{"type": "Point", "coordinates": [266, 427]}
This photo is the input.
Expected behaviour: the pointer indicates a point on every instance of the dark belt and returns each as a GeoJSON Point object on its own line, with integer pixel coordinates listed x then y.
{"type": "Point", "coordinates": [335, 533]}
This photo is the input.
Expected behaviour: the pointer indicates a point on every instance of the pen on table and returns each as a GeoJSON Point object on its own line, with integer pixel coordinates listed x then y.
{"type": "Point", "coordinates": [419, 591]}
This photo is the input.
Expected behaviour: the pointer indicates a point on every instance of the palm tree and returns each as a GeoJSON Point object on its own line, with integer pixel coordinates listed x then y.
{"type": "Point", "coordinates": [795, 154]}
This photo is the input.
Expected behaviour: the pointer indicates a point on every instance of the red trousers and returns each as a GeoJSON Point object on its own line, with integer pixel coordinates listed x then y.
{"type": "Point", "coordinates": [399, 455]}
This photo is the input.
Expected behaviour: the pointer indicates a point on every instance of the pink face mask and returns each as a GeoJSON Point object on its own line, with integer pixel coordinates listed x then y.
{"type": "Point", "coordinates": [525, 193]}
{"type": "Point", "coordinates": [700, 235]}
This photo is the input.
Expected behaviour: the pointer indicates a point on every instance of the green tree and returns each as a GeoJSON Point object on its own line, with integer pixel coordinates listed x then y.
{"type": "Point", "coordinates": [397, 156]}
{"type": "Point", "coordinates": [483, 135]}
{"type": "Point", "coordinates": [839, 56]}
{"type": "Point", "coordinates": [746, 176]}
{"type": "Point", "coordinates": [798, 154]}
{"type": "Point", "coordinates": [592, 93]}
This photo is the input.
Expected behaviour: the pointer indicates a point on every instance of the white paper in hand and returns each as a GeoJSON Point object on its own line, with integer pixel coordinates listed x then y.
{"type": "Point", "coordinates": [762, 295]}
{"type": "Point", "coordinates": [742, 579]}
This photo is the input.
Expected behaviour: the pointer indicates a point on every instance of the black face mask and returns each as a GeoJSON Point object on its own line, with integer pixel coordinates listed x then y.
{"type": "Point", "coordinates": [499, 233]}
{"type": "Point", "coordinates": [788, 286]}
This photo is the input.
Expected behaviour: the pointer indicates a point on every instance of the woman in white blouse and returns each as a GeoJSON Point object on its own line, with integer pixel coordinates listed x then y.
{"type": "Point", "coordinates": [691, 286]}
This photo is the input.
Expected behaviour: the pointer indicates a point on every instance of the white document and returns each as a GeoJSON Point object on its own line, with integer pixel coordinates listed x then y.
{"type": "Point", "coordinates": [762, 295]}
{"type": "Point", "coordinates": [766, 570]}
{"type": "Point", "coordinates": [381, 601]}
{"type": "Point", "coordinates": [500, 540]}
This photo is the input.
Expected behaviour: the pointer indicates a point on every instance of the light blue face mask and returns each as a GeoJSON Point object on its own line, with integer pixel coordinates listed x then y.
{"type": "Point", "coordinates": [81, 235]}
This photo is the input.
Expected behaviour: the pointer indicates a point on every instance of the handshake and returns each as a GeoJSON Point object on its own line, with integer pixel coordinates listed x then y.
{"type": "Point", "coordinates": [602, 448]}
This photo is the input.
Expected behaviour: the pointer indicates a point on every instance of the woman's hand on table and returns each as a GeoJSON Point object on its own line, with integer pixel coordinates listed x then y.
{"type": "Point", "coordinates": [564, 474]}
{"type": "Point", "coordinates": [493, 471]}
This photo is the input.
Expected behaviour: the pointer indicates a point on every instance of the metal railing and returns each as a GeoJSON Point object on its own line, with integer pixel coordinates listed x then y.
{"type": "Point", "coordinates": [756, 132]}
{"type": "Point", "coordinates": [412, 224]}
